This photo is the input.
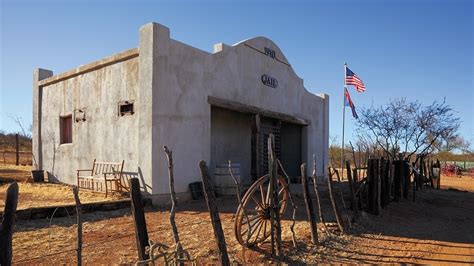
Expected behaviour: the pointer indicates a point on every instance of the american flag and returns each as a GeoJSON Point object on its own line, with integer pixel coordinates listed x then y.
{"type": "Point", "coordinates": [353, 79]}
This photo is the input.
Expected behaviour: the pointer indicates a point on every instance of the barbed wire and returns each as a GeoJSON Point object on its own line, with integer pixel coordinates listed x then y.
{"type": "Point", "coordinates": [93, 245]}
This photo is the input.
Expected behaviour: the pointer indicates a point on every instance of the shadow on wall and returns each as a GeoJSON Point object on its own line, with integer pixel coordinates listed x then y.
{"type": "Point", "coordinates": [52, 178]}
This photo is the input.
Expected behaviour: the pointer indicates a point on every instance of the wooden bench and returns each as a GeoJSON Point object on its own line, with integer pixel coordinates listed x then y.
{"type": "Point", "coordinates": [107, 174]}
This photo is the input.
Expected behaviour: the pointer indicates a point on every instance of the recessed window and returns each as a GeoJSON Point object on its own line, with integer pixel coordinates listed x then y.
{"type": "Point", "coordinates": [65, 129]}
{"type": "Point", "coordinates": [125, 108]}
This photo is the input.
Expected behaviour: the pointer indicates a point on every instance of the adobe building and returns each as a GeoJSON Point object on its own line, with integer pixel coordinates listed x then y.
{"type": "Point", "coordinates": [215, 107]}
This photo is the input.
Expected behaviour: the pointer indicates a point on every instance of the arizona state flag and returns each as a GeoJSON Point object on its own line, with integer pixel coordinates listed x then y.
{"type": "Point", "coordinates": [348, 102]}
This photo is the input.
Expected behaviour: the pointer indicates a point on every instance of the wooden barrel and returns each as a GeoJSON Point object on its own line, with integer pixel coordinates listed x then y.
{"type": "Point", "coordinates": [223, 182]}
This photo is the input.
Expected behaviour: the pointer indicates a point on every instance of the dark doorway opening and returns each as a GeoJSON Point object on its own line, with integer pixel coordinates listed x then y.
{"type": "Point", "coordinates": [288, 145]}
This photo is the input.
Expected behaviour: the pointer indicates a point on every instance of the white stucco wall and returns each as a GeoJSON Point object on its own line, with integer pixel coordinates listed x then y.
{"type": "Point", "coordinates": [171, 83]}
{"type": "Point", "coordinates": [104, 135]}
{"type": "Point", "coordinates": [182, 113]}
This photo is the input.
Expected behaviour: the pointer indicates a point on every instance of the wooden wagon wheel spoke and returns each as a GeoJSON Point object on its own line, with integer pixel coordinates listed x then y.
{"type": "Point", "coordinates": [258, 225]}
{"type": "Point", "coordinates": [267, 199]}
{"type": "Point", "coordinates": [262, 193]}
{"type": "Point", "coordinates": [257, 202]}
{"type": "Point", "coordinates": [250, 220]}
{"type": "Point", "coordinates": [251, 224]}
{"type": "Point", "coordinates": [281, 190]}
{"type": "Point", "coordinates": [260, 229]}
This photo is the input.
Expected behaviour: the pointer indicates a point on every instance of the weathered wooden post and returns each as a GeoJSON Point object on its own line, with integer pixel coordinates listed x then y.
{"type": "Point", "coordinates": [309, 206]}
{"type": "Point", "coordinates": [421, 180]}
{"type": "Point", "coordinates": [378, 197]}
{"type": "Point", "coordinates": [355, 176]}
{"type": "Point", "coordinates": [355, 207]}
{"type": "Point", "coordinates": [8, 222]}
{"type": "Point", "coordinates": [372, 174]}
{"type": "Point", "coordinates": [406, 178]}
{"type": "Point", "coordinates": [138, 214]}
{"type": "Point", "coordinates": [397, 175]}
{"type": "Point", "coordinates": [389, 172]}
{"type": "Point", "coordinates": [339, 187]}
{"type": "Point", "coordinates": [385, 181]}
{"type": "Point", "coordinates": [318, 199]}
{"type": "Point", "coordinates": [438, 181]}
{"type": "Point", "coordinates": [214, 213]}
{"type": "Point", "coordinates": [17, 148]}
{"type": "Point", "coordinates": [275, 202]}
{"type": "Point", "coordinates": [79, 225]}
{"type": "Point", "coordinates": [334, 203]}
{"type": "Point", "coordinates": [174, 203]}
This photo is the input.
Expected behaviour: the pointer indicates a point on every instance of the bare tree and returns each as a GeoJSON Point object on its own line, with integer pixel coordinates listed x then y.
{"type": "Point", "coordinates": [407, 127]}
{"type": "Point", "coordinates": [24, 131]}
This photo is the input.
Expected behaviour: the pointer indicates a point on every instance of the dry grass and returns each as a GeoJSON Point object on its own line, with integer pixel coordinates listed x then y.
{"type": "Point", "coordinates": [44, 194]}
{"type": "Point", "coordinates": [464, 183]}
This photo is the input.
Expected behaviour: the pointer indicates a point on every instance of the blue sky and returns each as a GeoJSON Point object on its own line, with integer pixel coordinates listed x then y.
{"type": "Point", "coordinates": [422, 50]}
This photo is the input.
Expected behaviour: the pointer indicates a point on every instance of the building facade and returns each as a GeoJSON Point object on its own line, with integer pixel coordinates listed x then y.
{"type": "Point", "coordinates": [215, 107]}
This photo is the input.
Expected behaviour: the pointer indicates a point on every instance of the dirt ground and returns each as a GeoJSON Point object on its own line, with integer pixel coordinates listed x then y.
{"type": "Point", "coordinates": [436, 229]}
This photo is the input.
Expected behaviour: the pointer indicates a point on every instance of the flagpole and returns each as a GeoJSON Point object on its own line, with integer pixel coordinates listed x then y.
{"type": "Point", "coordinates": [343, 119]}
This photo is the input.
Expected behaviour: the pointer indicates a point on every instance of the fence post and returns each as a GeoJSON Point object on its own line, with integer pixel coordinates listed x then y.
{"type": "Point", "coordinates": [334, 203]}
{"type": "Point", "coordinates": [275, 204]}
{"type": "Point", "coordinates": [79, 225]}
{"type": "Point", "coordinates": [406, 178]}
{"type": "Point", "coordinates": [17, 148]}
{"type": "Point", "coordinates": [141, 232]}
{"type": "Point", "coordinates": [309, 205]}
{"type": "Point", "coordinates": [169, 157]}
{"type": "Point", "coordinates": [378, 197]}
{"type": "Point", "coordinates": [6, 232]}
{"type": "Point", "coordinates": [355, 207]}
{"type": "Point", "coordinates": [397, 176]}
{"type": "Point", "coordinates": [438, 164]}
{"type": "Point", "coordinates": [214, 213]}
{"type": "Point", "coordinates": [318, 198]}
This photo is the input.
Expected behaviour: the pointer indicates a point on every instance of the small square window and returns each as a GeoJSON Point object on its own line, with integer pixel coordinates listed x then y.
{"type": "Point", "coordinates": [79, 115]}
{"type": "Point", "coordinates": [125, 108]}
{"type": "Point", "coordinates": [65, 129]}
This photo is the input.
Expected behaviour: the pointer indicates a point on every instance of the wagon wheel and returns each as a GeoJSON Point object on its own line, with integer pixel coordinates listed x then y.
{"type": "Point", "coordinates": [256, 202]}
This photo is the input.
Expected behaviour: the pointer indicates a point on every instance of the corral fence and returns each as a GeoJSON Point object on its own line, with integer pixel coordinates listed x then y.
{"type": "Point", "coordinates": [9, 157]}
{"type": "Point", "coordinates": [15, 149]}
{"type": "Point", "coordinates": [372, 187]}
